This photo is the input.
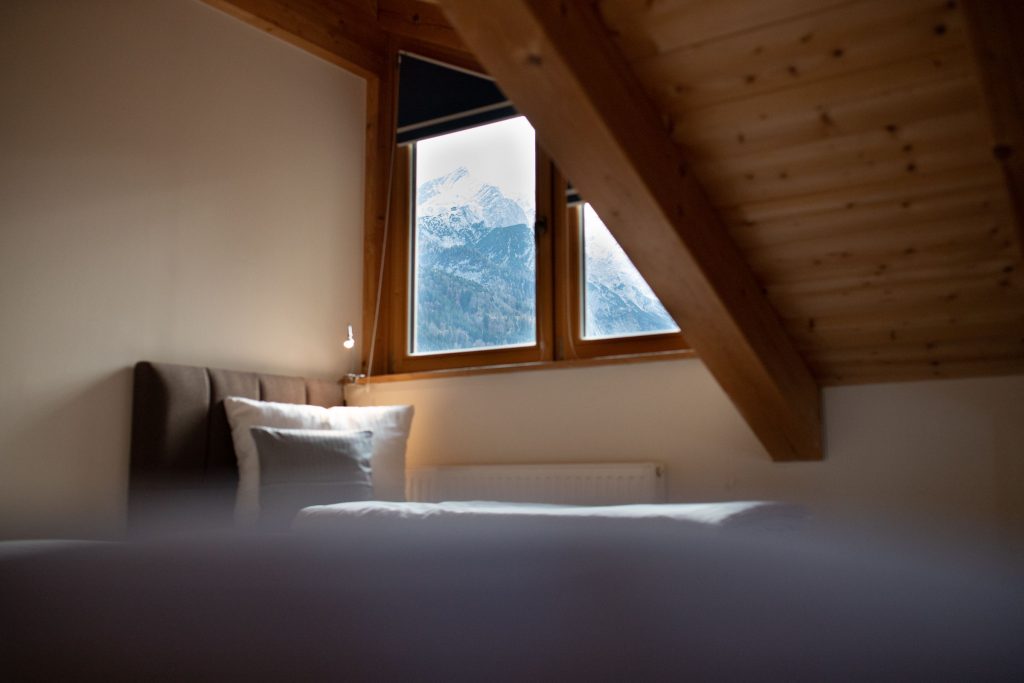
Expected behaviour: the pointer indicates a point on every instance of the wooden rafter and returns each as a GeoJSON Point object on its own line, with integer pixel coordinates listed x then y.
{"type": "Point", "coordinates": [556, 62]}
{"type": "Point", "coordinates": [343, 32]}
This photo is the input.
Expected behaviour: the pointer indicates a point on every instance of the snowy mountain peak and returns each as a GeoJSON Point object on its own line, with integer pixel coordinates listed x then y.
{"type": "Point", "coordinates": [459, 194]}
{"type": "Point", "coordinates": [455, 176]}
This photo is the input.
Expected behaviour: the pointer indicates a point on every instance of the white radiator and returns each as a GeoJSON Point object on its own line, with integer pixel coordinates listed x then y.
{"type": "Point", "coordinates": [583, 484]}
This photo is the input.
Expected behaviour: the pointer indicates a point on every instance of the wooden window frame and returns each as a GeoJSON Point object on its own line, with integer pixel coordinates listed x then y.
{"type": "Point", "coordinates": [559, 269]}
{"type": "Point", "coordinates": [569, 279]}
{"type": "Point", "coordinates": [400, 358]}
{"type": "Point", "coordinates": [559, 284]}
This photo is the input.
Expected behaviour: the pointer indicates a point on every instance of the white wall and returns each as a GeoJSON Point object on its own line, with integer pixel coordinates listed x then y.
{"type": "Point", "coordinates": [174, 186]}
{"type": "Point", "coordinates": [941, 456]}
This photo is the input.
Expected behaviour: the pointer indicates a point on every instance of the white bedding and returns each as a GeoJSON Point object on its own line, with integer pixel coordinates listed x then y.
{"type": "Point", "coordinates": [745, 514]}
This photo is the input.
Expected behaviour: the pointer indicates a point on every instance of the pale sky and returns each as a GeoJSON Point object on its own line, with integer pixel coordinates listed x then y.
{"type": "Point", "coordinates": [508, 160]}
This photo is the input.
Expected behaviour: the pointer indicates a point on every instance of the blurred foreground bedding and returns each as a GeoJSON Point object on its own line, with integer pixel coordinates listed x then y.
{"type": "Point", "coordinates": [506, 598]}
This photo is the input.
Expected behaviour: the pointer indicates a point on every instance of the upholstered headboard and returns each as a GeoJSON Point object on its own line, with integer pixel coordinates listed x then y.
{"type": "Point", "coordinates": [181, 449]}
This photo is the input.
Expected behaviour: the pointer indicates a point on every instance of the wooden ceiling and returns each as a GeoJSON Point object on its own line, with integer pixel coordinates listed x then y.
{"type": "Point", "coordinates": [846, 180]}
{"type": "Point", "coordinates": [849, 149]}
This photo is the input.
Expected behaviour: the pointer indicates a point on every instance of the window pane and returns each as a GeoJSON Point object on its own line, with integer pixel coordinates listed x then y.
{"type": "Point", "coordinates": [617, 301]}
{"type": "Point", "coordinates": [475, 268]}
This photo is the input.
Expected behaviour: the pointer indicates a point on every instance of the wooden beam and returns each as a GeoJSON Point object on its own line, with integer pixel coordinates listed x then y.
{"type": "Point", "coordinates": [419, 21]}
{"type": "Point", "coordinates": [995, 28]}
{"type": "Point", "coordinates": [557, 63]}
{"type": "Point", "coordinates": [421, 28]}
{"type": "Point", "coordinates": [344, 32]}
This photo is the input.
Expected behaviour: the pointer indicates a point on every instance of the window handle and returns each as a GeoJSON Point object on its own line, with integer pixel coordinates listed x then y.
{"type": "Point", "coordinates": [540, 227]}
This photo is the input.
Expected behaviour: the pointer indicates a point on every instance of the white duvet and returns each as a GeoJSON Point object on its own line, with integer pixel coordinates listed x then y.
{"type": "Point", "coordinates": [746, 514]}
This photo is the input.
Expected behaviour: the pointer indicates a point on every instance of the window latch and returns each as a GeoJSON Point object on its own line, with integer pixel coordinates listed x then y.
{"type": "Point", "coordinates": [540, 227]}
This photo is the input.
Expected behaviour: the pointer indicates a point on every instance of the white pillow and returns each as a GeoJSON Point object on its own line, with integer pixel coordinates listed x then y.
{"type": "Point", "coordinates": [389, 424]}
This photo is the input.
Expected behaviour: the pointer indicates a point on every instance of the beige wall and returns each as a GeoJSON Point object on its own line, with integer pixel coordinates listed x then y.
{"type": "Point", "coordinates": [942, 456]}
{"type": "Point", "coordinates": [175, 186]}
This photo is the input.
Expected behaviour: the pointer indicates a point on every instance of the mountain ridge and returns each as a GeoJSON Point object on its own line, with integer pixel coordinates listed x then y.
{"type": "Point", "coordinates": [475, 278]}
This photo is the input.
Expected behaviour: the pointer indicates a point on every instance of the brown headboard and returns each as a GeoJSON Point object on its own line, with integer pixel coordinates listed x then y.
{"type": "Point", "coordinates": [181, 450]}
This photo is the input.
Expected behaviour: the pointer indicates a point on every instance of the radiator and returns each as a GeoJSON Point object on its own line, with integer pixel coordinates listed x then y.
{"type": "Point", "coordinates": [583, 484]}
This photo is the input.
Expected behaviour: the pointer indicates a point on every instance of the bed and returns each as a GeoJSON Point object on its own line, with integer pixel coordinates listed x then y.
{"type": "Point", "coordinates": [499, 596]}
{"type": "Point", "coordinates": [184, 470]}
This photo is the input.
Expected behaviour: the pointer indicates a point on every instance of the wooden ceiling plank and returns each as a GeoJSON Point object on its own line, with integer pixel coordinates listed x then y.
{"type": "Point", "coordinates": [1000, 348]}
{"type": "Point", "coordinates": [992, 271]}
{"type": "Point", "coordinates": [907, 333]}
{"type": "Point", "coordinates": [995, 27]}
{"type": "Point", "coordinates": [924, 134]}
{"type": "Point", "coordinates": [853, 197]}
{"type": "Point", "coordinates": [673, 24]}
{"type": "Point", "coordinates": [856, 101]}
{"type": "Point", "coordinates": [958, 319]}
{"type": "Point", "coordinates": [953, 144]}
{"type": "Point", "coordinates": [899, 217]}
{"type": "Point", "coordinates": [343, 32]}
{"type": "Point", "coordinates": [922, 286]}
{"type": "Point", "coordinates": [917, 249]}
{"type": "Point", "coordinates": [863, 35]}
{"type": "Point", "coordinates": [820, 121]}
{"type": "Point", "coordinates": [556, 63]}
{"type": "Point", "coordinates": [998, 289]}
{"type": "Point", "coordinates": [920, 370]}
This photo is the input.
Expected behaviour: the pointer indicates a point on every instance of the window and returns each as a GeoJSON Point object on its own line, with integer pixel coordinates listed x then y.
{"type": "Point", "coordinates": [490, 264]}
{"type": "Point", "coordinates": [609, 310]}
{"type": "Point", "coordinates": [617, 301]}
{"type": "Point", "coordinates": [471, 276]}
{"type": "Point", "coordinates": [474, 261]}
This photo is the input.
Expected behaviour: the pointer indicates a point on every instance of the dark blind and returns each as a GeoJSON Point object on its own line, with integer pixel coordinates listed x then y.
{"type": "Point", "coordinates": [434, 99]}
{"type": "Point", "coordinates": [572, 197]}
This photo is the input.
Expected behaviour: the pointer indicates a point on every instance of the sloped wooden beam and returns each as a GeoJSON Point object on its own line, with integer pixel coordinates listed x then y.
{"type": "Point", "coordinates": [995, 28]}
{"type": "Point", "coordinates": [557, 63]}
{"type": "Point", "coordinates": [344, 32]}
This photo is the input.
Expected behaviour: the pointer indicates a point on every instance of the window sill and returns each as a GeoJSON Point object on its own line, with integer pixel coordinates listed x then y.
{"type": "Point", "coordinates": [520, 367]}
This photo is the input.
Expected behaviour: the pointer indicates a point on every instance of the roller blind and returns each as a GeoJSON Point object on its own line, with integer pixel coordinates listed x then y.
{"type": "Point", "coordinates": [435, 98]}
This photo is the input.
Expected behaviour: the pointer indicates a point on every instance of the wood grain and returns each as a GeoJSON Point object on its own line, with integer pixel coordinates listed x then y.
{"type": "Point", "coordinates": [557, 64]}
{"type": "Point", "coordinates": [865, 156]}
{"type": "Point", "coordinates": [861, 154]}
{"type": "Point", "coordinates": [995, 28]}
{"type": "Point", "coordinates": [343, 32]}
{"type": "Point", "coordinates": [419, 21]}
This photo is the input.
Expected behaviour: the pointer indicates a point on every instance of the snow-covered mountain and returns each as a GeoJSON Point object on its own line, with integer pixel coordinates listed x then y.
{"type": "Point", "coordinates": [476, 266]}
{"type": "Point", "coordinates": [619, 300]}
{"type": "Point", "coordinates": [476, 271]}
{"type": "Point", "coordinates": [450, 208]}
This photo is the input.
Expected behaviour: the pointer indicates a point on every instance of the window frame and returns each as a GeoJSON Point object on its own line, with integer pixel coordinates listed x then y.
{"type": "Point", "coordinates": [571, 280]}
{"type": "Point", "coordinates": [559, 291]}
{"type": "Point", "coordinates": [400, 356]}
